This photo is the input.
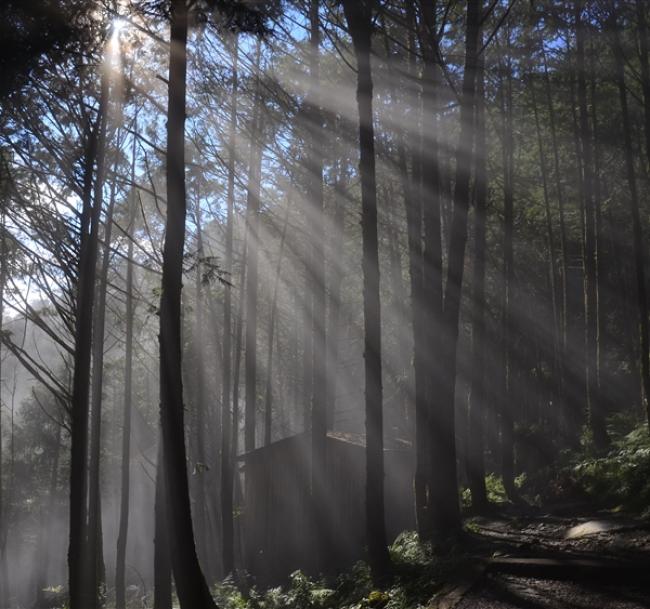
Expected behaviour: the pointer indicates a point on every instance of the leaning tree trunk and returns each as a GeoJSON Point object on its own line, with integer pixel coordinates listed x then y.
{"type": "Point", "coordinates": [191, 587]}
{"type": "Point", "coordinates": [358, 14]}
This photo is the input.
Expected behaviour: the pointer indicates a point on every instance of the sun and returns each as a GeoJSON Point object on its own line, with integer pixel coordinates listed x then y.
{"type": "Point", "coordinates": [117, 25]}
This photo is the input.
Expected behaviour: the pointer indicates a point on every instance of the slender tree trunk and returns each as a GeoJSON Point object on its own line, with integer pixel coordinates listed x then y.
{"type": "Point", "coordinates": [227, 461]}
{"type": "Point", "coordinates": [413, 206]}
{"type": "Point", "coordinates": [563, 250]}
{"type": "Point", "coordinates": [637, 232]}
{"type": "Point", "coordinates": [594, 405]}
{"type": "Point", "coordinates": [553, 272]}
{"type": "Point", "coordinates": [318, 482]}
{"type": "Point", "coordinates": [268, 399]}
{"type": "Point", "coordinates": [125, 471]}
{"type": "Point", "coordinates": [252, 224]}
{"type": "Point", "coordinates": [237, 490]}
{"type": "Point", "coordinates": [432, 291]}
{"type": "Point", "coordinates": [95, 538]}
{"type": "Point", "coordinates": [191, 587]}
{"type": "Point", "coordinates": [507, 397]}
{"type": "Point", "coordinates": [446, 511]}
{"type": "Point", "coordinates": [317, 292]}
{"type": "Point", "coordinates": [200, 460]}
{"type": "Point", "coordinates": [358, 14]}
{"type": "Point", "coordinates": [334, 306]}
{"type": "Point", "coordinates": [79, 562]}
{"type": "Point", "coordinates": [478, 395]}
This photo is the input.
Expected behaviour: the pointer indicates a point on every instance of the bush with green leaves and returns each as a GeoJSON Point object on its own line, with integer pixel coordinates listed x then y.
{"type": "Point", "coordinates": [622, 477]}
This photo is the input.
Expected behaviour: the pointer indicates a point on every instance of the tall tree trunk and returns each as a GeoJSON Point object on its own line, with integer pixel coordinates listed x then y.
{"type": "Point", "coordinates": [432, 294]}
{"type": "Point", "coordinates": [594, 403]}
{"type": "Point", "coordinates": [97, 578]}
{"type": "Point", "coordinates": [553, 272]}
{"type": "Point", "coordinates": [200, 460]}
{"type": "Point", "coordinates": [564, 258]}
{"type": "Point", "coordinates": [507, 396]}
{"type": "Point", "coordinates": [413, 208]}
{"type": "Point", "coordinates": [227, 461]}
{"type": "Point", "coordinates": [319, 491]}
{"type": "Point", "coordinates": [446, 511]}
{"type": "Point", "coordinates": [637, 232]}
{"type": "Point", "coordinates": [191, 587]}
{"type": "Point", "coordinates": [80, 584]}
{"type": "Point", "coordinates": [252, 228]}
{"type": "Point", "coordinates": [125, 470]}
{"type": "Point", "coordinates": [268, 394]}
{"type": "Point", "coordinates": [478, 395]}
{"type": "Point", "coordinates": [334, 281]}
{"type": "Point", "coordinates": [358, 14]}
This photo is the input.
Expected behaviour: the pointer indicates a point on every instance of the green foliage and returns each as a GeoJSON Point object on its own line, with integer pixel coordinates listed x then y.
{"type": "Point", "coordinates": [417, 575]}
{"type": "Point", "coordinates": [496, 493]}
{"type": "Point", "coordinates": [622, 477]}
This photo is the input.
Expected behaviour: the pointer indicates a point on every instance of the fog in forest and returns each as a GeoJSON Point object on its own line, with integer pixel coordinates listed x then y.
{"type": "Point", "coordinates": [324, 304]}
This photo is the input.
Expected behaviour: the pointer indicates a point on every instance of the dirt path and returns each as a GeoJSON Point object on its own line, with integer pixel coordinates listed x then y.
{"type": "Point", "coordinates": [500, 591]}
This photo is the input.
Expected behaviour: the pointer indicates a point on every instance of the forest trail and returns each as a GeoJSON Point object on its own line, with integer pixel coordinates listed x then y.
{"type": "Point", "coordinates": [557, 562]}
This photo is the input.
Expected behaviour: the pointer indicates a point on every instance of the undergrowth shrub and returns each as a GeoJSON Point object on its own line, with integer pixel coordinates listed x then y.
{"type": "Point", "coordinates": [622, 477]}
{"type": "Point", "coordinates": [418, 573]}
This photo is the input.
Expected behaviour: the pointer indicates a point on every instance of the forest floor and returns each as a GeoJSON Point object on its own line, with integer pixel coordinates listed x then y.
{"type": "Point", "coordinates": [554, 560]}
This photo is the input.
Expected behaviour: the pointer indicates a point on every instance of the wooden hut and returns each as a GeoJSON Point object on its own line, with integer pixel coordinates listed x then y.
{"type": "Point", "coordinates": [285, 530]}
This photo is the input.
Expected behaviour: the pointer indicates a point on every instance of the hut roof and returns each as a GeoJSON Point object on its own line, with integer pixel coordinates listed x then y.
{"type": "Point", "coordinates": [351, 438]}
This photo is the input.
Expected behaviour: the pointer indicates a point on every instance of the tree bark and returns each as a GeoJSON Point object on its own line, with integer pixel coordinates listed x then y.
{"type": "Point", "coordinates": [446, 511]}
{"type": "Point", "coordinates": [162, 566]}
{"type": "Point", "coordinates": [80, 586]}
{"type": "Point", "coordinates": [97, 578]}
{"type": "Point", "coordinates": [478, 396]}
{"type": "Point", "coordinates": [359, 18]}
{"type": "Point", "coordinates": [252, 227]}
{"type": "Point", "coordinates": [227, 461]}
{"type": "Point", "coordinates": [594, 405]}
{"type": "Point", "coordinates": [125, 470]}
{"type": "Point", "coordinates": [191, 587]}
{"type": "Point", "coordinates": [507, 395]}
